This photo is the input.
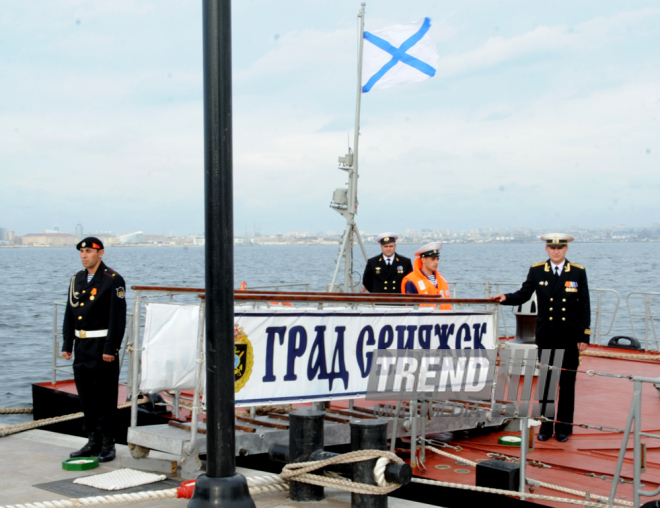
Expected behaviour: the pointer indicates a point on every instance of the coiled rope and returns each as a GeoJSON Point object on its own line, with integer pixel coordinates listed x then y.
{"type": "Point", "coordinates": [537, 482]}
{"type": "Point", "coordinates": [300, 472]}
{"type": "Point", "coordinates": [21, 427]}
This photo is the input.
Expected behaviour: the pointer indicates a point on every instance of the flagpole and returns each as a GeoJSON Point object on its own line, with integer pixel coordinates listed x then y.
{"type": "Point", "coordinates": [353, 176]}
{"type": "Point", "coordinates": [346, 249]}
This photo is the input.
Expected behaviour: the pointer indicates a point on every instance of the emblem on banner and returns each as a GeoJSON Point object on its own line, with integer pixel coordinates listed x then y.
{"type": "Point", "coordinates": [243, 358]}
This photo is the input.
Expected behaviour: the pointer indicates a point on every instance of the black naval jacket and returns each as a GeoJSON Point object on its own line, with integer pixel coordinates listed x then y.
{"type": "Point", "coordinates": [97, 305]}
{"type": "Point", "coordinates": [380, 278]}
{"type": "Point", "coordinates": [564, 314]}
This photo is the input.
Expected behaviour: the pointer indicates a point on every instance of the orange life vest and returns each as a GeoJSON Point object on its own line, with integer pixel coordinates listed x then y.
{"type": "Point", "coordinates": [424, 285]}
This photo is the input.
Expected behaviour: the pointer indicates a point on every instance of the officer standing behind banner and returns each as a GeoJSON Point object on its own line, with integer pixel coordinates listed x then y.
{"type": "Point", "coordinates": [563, 321]}
{"type": "Point", "coordinates": [94, 324]}
{"type": "Point", "coordinates": [383, 273]}
{"type": "Point", "coordinates": [425, 279]}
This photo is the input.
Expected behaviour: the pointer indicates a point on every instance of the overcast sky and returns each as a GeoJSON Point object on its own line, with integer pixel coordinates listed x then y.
{"type": "Point", "coordinates": [541, 114]}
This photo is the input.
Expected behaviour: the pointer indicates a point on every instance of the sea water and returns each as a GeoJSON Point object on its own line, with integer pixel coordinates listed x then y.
{"type": "Point", "coordinates": [31, 279]}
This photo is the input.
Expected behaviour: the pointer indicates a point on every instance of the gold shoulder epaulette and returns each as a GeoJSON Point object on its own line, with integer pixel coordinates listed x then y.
{"type": "Point", "coordinates": [538, 264]}
{"type": "Point", "coordinates": [577, 266]}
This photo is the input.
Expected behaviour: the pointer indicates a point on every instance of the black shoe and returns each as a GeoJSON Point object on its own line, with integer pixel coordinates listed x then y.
{"type": "Point", "coordinates": [107, 449]}
{"type": "Point", "coordinates": [562, 438]}
{"type": "Point", "coordinates": [543, 437]}
{"type": "Point", "coordinates": [91, 449]}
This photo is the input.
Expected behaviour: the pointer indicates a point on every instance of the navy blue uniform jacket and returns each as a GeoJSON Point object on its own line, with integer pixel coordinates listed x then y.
{"type": "Point", "coordinates": [101, 305]}
{"type": "Point", "coordinates": [564, 314]}
{"type": "Point", "coordinates": [380, 278]}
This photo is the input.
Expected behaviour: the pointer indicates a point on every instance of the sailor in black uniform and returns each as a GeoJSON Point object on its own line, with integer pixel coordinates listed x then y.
{"type": "Point", "coordinates": [563, 321]}
{"type": "Point", "coordinates": [383, 273]}
{"type": "Point", "coordinates": [94, 324]}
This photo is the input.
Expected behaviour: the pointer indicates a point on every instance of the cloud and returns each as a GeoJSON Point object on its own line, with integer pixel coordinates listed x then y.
{"type": "Point", "coordinates": [542, 40]}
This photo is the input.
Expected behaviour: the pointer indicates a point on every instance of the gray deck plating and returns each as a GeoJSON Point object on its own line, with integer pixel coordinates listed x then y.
{"type": "Point", "coordinates": [36, 456]}
{"type": "Point", "coordinates": [170, 439]}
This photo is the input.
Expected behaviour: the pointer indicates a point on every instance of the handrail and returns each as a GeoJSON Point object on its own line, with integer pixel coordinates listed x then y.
{"type": "Point", "coordinates": [648, 316]}
{"type": "Point", "coordinates": [597, 332]}
{"type": "Point", "coordinates": [251, 295]}
{"type": "Point", "coordinates": [343, 298]}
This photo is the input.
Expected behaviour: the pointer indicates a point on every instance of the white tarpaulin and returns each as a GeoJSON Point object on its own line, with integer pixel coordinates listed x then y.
{"type": "Point", "coordinates": [169, 347]}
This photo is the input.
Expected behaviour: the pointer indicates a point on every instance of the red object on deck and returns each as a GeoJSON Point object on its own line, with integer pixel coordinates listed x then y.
{"type": "Point", "coordinates": [186, 490]}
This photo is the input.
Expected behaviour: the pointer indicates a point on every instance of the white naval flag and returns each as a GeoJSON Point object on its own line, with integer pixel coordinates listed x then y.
{"type": "Point", "coordinates": [398, 54]}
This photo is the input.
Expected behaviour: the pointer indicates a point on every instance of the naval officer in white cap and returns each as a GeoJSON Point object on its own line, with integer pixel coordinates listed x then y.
{"type": "Point", "coordinates": [425, 279]}
{"type": "Point", "coordinates": [383, 273]}
{"type": "Point", "coordinates": [563, 321]}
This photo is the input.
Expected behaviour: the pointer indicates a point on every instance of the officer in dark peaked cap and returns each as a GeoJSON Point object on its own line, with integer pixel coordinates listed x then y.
{"type": "Point", "coordinates": [94, 325]}
{"type": "Point", "coordinates": [383, 273]}
{"type": "Point", "coordinates": [563, 321]}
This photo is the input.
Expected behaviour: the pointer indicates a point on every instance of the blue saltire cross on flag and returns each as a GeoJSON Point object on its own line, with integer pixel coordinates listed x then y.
{"type": "Point", "coordinates": [398, 54]}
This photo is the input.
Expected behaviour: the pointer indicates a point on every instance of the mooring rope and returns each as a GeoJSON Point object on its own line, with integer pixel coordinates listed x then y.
{"type": "Point", "coordinates": [15, 410]}
{"type": "Point", "coordinates": [623, 356]}
{"type": "Point", "coordinates": [256, 484]}
{"type": "Point", "coordinates": [300, 472]}
{"type": "Point", "coordinates": [540, 483]}
{"type": "Point", "coordinates": [21, 427]}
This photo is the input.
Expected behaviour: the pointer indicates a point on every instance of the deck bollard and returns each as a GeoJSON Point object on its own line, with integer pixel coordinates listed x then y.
{"type": "Point", "coordinates": [305, 438]}
{"type": "Point", "coordinates": [367, 435]}
{"type": "Point", "coordinates": [306, 445]}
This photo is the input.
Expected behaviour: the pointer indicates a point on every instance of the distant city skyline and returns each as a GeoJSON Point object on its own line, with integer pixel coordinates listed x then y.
{"type": "Point", "coordinates": [540, 114]}
{"type": "Point", "coordinates": [615, 233]}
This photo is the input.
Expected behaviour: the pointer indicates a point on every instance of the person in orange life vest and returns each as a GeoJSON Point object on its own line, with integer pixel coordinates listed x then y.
{"type": "Point", "coordinates": [425, 279]}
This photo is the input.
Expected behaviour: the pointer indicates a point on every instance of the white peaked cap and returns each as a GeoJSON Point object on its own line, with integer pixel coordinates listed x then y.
{"type": "Point", "coordinates": [557, 238]}
{"type": "Point", "coordinates": [387, 237]}
{"type": "Point", "coordinates": [430, 249]}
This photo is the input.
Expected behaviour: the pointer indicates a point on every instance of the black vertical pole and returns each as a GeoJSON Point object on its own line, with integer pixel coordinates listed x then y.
{"type": "Point", "coordinates": [220, 485]}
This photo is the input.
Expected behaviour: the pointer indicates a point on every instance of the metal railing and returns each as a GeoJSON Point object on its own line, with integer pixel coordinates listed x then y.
{"type": "Point", "coordinates": [634, 425]}
{"type": "Point", "coordinates": [276, 287]}
{"type": "Point", "coordinates": [597, 332]}
{"type": "Point", "coordinates": [649, 319]}
{"type": "Point", "coordinates": [143, 294]}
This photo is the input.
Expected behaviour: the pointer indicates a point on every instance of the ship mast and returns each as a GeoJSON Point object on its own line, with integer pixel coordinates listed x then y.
{"type": "Point", "coordinates": [344, 200]}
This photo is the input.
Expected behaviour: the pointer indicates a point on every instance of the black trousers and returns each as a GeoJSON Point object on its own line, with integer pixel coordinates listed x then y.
{"type": "Point", "coordinates": [97, 387]}
{"type": "Point", "coordinates": [565, 406]}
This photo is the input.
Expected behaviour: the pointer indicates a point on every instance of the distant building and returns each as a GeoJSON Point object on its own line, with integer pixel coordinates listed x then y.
{"type": "Point", "coordinates": [130, 238]}
{"type": "Point", "coordinates": [11, 236]}
{"type": "Point", "coordinates": [48, 239]}
{"type": "Point", "coordinates": [79, 231]}
{"type": "Point", "coordinates": [3, 235]}
{"type": "Point", "coordinates": [154, 239]}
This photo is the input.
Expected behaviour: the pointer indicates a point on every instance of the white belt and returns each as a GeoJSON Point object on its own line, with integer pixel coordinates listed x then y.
{"type": "Point", "coordinates": [93, 334]}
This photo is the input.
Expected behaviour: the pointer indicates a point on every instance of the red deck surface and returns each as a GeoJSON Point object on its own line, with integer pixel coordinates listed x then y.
{"type": "Point", "coordinates": [600, 401]}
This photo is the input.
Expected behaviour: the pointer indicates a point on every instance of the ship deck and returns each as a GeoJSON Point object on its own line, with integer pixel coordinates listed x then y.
{"type": "Point", "coordinates": [34, 457]}
{"type": "Point", "coordinates": [588, 460]}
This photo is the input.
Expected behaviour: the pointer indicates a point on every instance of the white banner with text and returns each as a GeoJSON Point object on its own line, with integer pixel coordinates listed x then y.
{"type": "Point", "coordinates": [296, 355]}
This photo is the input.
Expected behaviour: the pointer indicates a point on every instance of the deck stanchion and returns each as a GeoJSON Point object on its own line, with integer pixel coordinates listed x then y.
{"type": "Point", "coordinates": [368, 435]}
{"type": "Point", "coordinates": [135, 360]}
{"type": "Point", "coordinates": [524, 443]}
{"type": "Point", "coordinates": [305, 438]}
{"type": "Point", "coordinates": [221, 485]}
